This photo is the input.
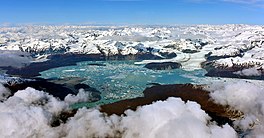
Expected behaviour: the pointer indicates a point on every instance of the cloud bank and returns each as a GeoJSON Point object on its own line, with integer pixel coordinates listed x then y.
{"type": "Point", "coordinates": [30, 113]}
{"type": "Point", "coordinates": [14, 58]}
{"type": "Point", "coordinates": [245, 97]}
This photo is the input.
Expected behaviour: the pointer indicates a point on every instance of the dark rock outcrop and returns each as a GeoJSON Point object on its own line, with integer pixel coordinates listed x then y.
{"type": "Point", "coordinates": [187, 92]}
{"type": "Point", "coordinates": [228, 72]}
{"type": "Point", "coordinates": [189, 51]}
{"type": "Point", "coordinates": [54, 61]}
{"type": "Point", "coordinates": [168, 55]}
{"type": "Point", "coordinates": [56, 89]}
{"type": "Point", "coordinates": [163, 65]}
{"type": "Point", "coordinates": [96, 64]}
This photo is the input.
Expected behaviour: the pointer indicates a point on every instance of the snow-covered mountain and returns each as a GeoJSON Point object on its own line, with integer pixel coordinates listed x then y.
{"type": "Point", "coordinates": [223, 45]}
{"type": "Point", "coordinates": [41, 40]}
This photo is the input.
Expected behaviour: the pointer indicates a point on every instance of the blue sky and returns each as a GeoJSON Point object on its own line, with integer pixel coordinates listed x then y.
{"type": "Point", "coordinates": [131, 11]}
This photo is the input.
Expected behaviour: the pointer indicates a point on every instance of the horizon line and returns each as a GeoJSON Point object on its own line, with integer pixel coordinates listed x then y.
{"type": "Point", "coordinates": [117, 24]}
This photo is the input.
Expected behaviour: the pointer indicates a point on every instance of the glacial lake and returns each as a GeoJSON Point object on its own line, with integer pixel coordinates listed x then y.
{"type": "Point", "coordinates": [118, 80]}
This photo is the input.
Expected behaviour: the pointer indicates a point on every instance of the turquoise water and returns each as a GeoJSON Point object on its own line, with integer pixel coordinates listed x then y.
{"type": "Point", "coordinates": [119, 80]}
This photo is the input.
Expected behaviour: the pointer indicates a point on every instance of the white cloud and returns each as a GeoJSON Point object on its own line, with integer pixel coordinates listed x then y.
{"type": "Point", "coordinates": [249, 72]}
{"type": "Point", "coordinates": [14, 58]}
{"type": "Point", "coordinates": [82, 96]}
{"type": "Point", "coordinates": [244, 1]}
{"type": "Point", "coordinates": [246, 97]}
{"type": "Point", "coordinates": [29, 113]}
{"type": "Point", "coordinates": [257, 3]}
{"type": "Point", "coordinates": [4, 93]}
